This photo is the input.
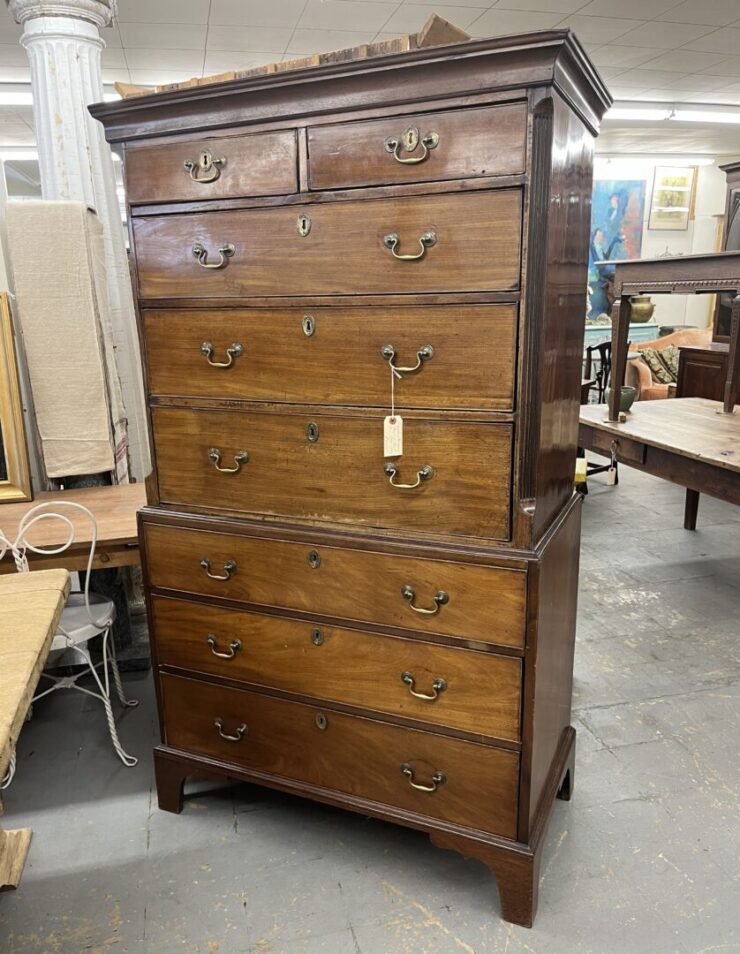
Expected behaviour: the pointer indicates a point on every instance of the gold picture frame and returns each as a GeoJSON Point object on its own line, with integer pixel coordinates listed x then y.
{"type": "Point", "coordinates": [15, 473]}
{"type": "Point", "coordinates": [673, 201]}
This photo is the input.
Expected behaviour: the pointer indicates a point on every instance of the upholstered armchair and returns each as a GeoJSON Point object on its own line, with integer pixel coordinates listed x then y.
{"type": "Point", "coordinates": [638, 374]}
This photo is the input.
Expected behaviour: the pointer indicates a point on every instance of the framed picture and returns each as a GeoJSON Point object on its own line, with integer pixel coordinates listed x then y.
{"type": "Point", "coordinates": [672, 201]}
{"type": "Point", "coordinates": [617, 214]}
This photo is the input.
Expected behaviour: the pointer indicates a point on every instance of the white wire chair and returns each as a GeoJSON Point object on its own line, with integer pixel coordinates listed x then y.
{"type": "Point", "coordinates": [79, 623]}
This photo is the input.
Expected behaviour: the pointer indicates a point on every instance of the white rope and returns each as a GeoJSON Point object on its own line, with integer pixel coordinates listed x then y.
{"type": "Point", "coordinates": [10, 773]}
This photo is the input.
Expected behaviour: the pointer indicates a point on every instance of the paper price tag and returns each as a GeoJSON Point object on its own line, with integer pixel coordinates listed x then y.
{"type": "Point", "coordinates": [393, 436]}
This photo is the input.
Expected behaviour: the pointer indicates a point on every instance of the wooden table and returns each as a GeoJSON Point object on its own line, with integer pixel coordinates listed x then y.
{"type": "Point", "coordinates": [30, 608]}
{"type": "Point", "coordinates": [682, 275]}
{"type": "Point", "coordinates": [689, 441]}
{"type": "Point", "coordinates": [115, 511]}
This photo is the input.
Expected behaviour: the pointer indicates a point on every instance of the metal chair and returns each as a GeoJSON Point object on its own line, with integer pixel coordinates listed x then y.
{"type": "Point", "coordinates": [85, 617]}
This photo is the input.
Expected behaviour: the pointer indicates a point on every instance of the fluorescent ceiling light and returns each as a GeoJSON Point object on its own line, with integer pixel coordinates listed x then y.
{"type": "Point", "coordinates": [9, 154]}
{"type": "Point", "coordinates": [25, 98]}
{"type": "Point", "coordinates": [16, 99]}
{"type": "Point", "coordinates": [704, 116]}
{"type": "Point", "coordinates": [650, 114]}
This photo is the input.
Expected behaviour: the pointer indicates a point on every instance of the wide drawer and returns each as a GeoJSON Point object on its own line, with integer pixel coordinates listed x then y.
{"type": "Point", "coordinates": [474, 691]}
{"type": "Point", "coordinates": [454, 144]}
{"type": "Point", "coordinates": [194, 170]}
{"type": "Point", "coordinates": [465, 783]}
{"type": "Point", "coordinates": [465, 355]}
{"type": "Point", "coordinates": [457, 476]}
{"type": "Point", "coordinates": [348, 249]}
{"type": "Point", "coordinates": [477, 603]}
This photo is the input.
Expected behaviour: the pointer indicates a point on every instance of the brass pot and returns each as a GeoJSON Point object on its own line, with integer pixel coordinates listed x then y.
{"type": "Point", "coordinates": [642, 309]}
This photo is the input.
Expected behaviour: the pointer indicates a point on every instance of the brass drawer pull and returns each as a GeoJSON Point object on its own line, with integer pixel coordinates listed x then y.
{"type": "Point", "coordinates": [427, 240]}
{"type": "Point", "coordinates": [237, 737]}
{"type": "Point", "coordinates": [439, 778]}
{"type": "Point", "coordinates": [425, 473]}
{"type": "Point", "coordinates": [439, 685]}
{"type": "Point", "coordinates": [224, 253]}
{"type": "Point", "coordinates": [205, 168]}
{"type": "Point", "coordinates": [241, 457]}
{"type": "Point", "coordinates": [409, 141]}
{"type": "Point", "coordinates": [229, 568]}
{"type": "Point", "coordinates": [235, 647]}
{"type": "Point", "coordinates": [425, 353]}
{"type": "Point", "coordinates": [440, 598]}
{"type": "Point", "coordinates": [234, 351]}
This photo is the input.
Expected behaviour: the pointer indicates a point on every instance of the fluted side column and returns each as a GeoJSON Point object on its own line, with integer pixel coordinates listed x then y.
{"type": "Point", "coordinates": [63, 42]}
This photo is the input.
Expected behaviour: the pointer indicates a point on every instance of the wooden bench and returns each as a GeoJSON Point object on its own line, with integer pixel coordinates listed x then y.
{"type": "Point", "coordinates": [30, 608]}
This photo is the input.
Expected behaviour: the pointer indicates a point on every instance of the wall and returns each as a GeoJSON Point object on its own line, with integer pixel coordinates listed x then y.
{"type": "Point", "coordinates": [701, 235]}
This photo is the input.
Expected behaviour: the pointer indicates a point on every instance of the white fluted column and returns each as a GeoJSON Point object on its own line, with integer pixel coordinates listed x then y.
{"type": "Point", "coordinates": [63, 42]}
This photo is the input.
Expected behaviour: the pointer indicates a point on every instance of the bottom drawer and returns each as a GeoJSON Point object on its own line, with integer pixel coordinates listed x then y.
{"type": "Point", "coordinates": [464, 782]}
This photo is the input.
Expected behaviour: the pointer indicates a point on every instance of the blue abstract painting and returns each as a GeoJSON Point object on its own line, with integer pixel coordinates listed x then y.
{"type": "Point", "coordinates": [617, 215]}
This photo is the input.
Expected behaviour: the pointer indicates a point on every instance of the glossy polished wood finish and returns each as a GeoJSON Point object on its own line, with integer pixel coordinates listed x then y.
{"type": "Point", "coordinates": [477, 248]}
{"type": "Point", "coordinates": [471, 142]}
{"type": "Point", "coordinates": [342, 593]}
{"type": "Point", "coordinates": [466, 493]}
{"type": "Point", "coordinates": [481, 692]}
{"type": "Point", "coordinates": [262, 164]}
{"type": "Point", "coordinates": [486, 604]}
{"type": "Point", "coordinates": [340, 362]}
{"type": "Point", "coordinates": [357, 756]}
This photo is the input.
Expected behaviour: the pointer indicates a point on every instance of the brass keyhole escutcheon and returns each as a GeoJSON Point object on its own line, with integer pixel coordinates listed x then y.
{"type": "Point", "coordinates": [303, 225]}
{"type": "Point", "coordinates": [309, 325]}
{"type": "Point", "coordinates": [317, 637]}
{"type": "Point", "coordinates": [321, 721]}
{"type": "Point", "coordinates": [312, 432]}
{"type": "Point", "coordinates": [411, 139]}
{"type": "Point", "coordinates": [314, 560]}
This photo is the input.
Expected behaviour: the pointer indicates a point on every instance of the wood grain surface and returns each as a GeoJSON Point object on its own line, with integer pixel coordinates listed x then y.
{"type": "Point", "coordinates": [353, 755]}
{"type": "Point", "coordinates": [481, 694]}
{"type": "Point", "coordinates": [258, 164]}
{"type": "Point", "coordinates": [477, 248]}
{"type": "Point", "coordinates": [340, 476]}
{"type": "Point", "coordinates": [472, 142]}
{"type": "Point", "coordinates": [486, 603]}
{"type": "Point", "coordinates": [340, 363]}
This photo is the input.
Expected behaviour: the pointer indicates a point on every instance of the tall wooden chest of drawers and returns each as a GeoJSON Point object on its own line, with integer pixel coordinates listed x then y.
{"type": "Point", "coordinates": [313, 252]}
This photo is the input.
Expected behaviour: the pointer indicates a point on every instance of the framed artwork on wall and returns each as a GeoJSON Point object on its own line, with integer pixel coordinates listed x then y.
{"type": "Point", "coordinates": [673, 197]}
{"type": "Point", "coordinates": [617, 216]}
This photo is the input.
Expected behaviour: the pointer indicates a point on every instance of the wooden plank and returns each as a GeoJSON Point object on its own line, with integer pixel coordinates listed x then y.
{"type": "Point", "coordinates": [114, 509]}
{"type": "Point", "coordinates": [13, 850]}
{"type": "Point", "coordinates": [437, 32]}
{"type": "Point", "coordinates": [689, 427]}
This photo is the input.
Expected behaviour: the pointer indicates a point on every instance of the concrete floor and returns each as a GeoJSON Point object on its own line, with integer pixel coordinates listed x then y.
{"type": "Point", "coordinates": [644, 860]}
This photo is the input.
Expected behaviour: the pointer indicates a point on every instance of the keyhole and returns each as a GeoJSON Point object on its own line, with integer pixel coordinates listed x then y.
{"type": "Point", "coordinates": [309, 325]}
{"type": "Point", "coordinates": [411, 138]}
{"type": "Point", "coordinates": [312, 432]}
{"type": "Point", "coordinates": [304, 225]}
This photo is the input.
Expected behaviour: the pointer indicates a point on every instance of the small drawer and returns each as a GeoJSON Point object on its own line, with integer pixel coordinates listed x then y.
{"type": "Point", "coordinates": [477, 692]}
{"type": "Point", "coordinates": [442, 243]}
{"type": "Point", "coordinates": [453, 477]}
{"type": "Point", "coordinates": [454, 144]}
{"type": "Point", "coordinates": [202, 169]}
{"type": "Point", "coordinates": [464, 783]}
{"type": "Point", "coordinates": [451, 356]}
{"type": "Point", "coordinates": [476, 603]}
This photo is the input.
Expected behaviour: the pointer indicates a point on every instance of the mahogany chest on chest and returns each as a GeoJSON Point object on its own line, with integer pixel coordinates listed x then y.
{"type": "Point", "coordinates": [388, 629]}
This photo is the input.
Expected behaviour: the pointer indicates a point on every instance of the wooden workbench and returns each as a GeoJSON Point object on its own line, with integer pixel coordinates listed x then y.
{"type": "Point", "coordinates": [115, 511]}
{"type": "Point", "coordinates": [689, 441]}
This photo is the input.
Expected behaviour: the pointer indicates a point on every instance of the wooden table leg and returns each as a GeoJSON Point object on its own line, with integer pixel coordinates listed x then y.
{"type": "Point", "coordinates": [13, 851]}
{"type": "Point", "coordinates": [620, 334]}
{"type": "Point", "coordinates": [691, 509]}
{"type": "Point", "coordinates": [733, 361]}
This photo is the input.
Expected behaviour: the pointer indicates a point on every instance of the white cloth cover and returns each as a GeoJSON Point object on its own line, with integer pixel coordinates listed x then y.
{"type": "Point", "coordinates": [58, 266]}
